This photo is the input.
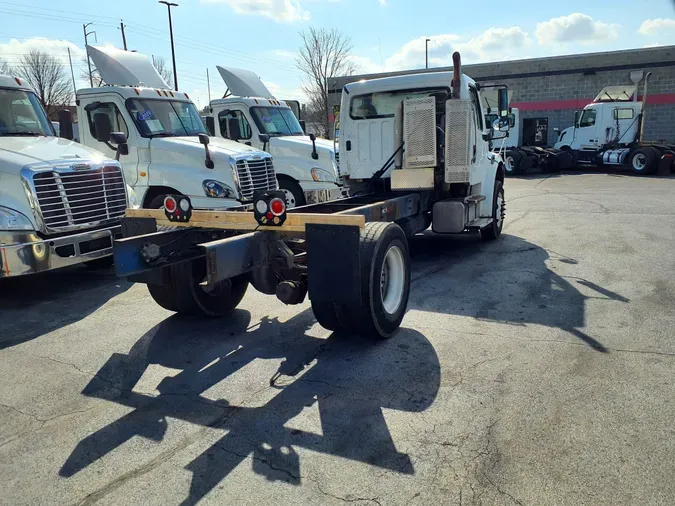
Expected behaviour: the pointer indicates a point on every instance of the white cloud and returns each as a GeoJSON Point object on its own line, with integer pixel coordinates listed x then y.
{"type": "Point", "coordinates": [283, 11]}
{"type": "Point", "coordinates": [284, 93]}
{"type": "Point", "coordinates": [383, 3]}
{"type": "Point", "coordinates": [657, 26]}
{"type": "Point", "coordinates": [494, 44]}
{"type": "Point", "coordinates": [364, 65]}
{"type": "Point", "coordinates": [282, 53]}
{"type": "Point", "coordinates": [14, 50]}
{"type": "Point", "coordinates": [412, 54]}
{"type": "Point", "coordinates": [575, 28]}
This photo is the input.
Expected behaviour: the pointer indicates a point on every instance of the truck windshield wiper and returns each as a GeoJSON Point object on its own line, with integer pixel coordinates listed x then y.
{"type": "Point", "coordinates": [31, 134]}
{"type": "Point", "coordinates": [162, 134]}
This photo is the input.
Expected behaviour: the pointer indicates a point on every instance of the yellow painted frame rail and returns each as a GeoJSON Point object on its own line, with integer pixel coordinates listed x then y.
{"type": "Point", "coordinates": [244, 220]}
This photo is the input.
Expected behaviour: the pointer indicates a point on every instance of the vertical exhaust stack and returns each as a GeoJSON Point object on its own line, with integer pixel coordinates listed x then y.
{"type": "Point", "coordinates": [457, 74]}
{"type": "Point", "coordinates": [644, 107]}
{"type": "Point", "coordinates": [398, 136]}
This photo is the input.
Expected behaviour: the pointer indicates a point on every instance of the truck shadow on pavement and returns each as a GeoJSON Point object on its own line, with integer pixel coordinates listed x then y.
{"type": "Point", "coordinates": [510, 281]}
{"type": "Point", "coordinates": [350, 381]}
{"type": "Point", "coordinates": [31, 306]}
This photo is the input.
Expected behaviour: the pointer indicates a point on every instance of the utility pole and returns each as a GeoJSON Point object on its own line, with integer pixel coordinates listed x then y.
{"type": "Point", "coordinates": [84, 29]}
{"type": "Point", "coordinates": [208, 83]}
{"type": "Point", "coordinates": [426, 44]}
{"type": "Point", "coordinates": [71, 72]}
{"type": "Point", "coordinates": [173, 52]}
{"type": "Point", "coordinates": [124, 37]}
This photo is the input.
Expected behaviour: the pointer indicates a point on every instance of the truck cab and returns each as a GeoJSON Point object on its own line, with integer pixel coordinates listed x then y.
{"type": "Point", "coordinates": [612, 118]}
{"type": "Point", "coordinates": [169, 150]}
{"type": "Point", "coordinates": [60, 202]}
{"type": "Point", "coordinates": [306, 166]}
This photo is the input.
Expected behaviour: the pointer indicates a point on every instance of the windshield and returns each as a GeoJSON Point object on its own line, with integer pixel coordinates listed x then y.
{"type": "Point", "coordinates": [159, 118]}
{"type": "Point", "coordinates": [22, 114]}
{"type": "Point", "coordinates": [276, 121]}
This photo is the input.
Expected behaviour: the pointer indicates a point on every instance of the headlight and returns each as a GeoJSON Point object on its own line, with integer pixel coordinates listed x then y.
{"type": "Point", "coordinates": [14, 220]}
{"type": "Point", "coordinates": [132, 199]}
{"type": "Point", "coordinates": [322, 175]}
{"type": "Point", "coordinates": [218, 190]}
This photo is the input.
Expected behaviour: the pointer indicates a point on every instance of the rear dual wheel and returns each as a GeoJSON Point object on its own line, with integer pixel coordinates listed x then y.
{"type": "Point", "coordinates": [385, 286]}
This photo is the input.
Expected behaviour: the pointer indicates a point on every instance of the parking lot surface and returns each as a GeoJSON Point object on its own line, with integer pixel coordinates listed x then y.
{"type": "Point", "coordinates": [537, 369]}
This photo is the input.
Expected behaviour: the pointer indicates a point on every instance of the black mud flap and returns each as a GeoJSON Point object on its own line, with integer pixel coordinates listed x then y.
{"type": "Point", "coordinates": [333, 272]}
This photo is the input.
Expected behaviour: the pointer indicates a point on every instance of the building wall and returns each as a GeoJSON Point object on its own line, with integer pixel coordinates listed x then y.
{"type": "Point", "coordinates": [555, 87]}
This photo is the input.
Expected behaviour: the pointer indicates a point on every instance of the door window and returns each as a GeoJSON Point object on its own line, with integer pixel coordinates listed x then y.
{"type": "Point", "coordinates": [116, 119]}
{"type": "Point", "coordinates": [476, 107]}
{"type": "Point", "coordinates": [623, 113]}
{"type": "Point", "coordinates": [587, 118]}
{"type": "Point", "coordinates": [230, 120]}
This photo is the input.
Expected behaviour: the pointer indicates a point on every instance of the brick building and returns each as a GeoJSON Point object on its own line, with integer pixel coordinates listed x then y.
{"type": "Point", "coordinates": [547, 91]}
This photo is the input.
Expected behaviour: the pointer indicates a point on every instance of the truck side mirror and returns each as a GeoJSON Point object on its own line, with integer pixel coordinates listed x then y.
{"type": "Point", "coordinates": [210, 125]}
{"type": "Point", "coordinates": [315, 155]}
{"type": "Point", "coordinates": [264, 138]}
{"type": "Point", "coordinates": [503, 101]}
{"type": "Point", "coordinates": [204, 140]}
{"type": "Point", "coordinates": [103, 126]}
{"type": "Point", "coordinates": [303, 125]}
{"type": "Point", "coordinates": [577, 116]}
{"type": "Point", "coordinates": [66, 124]}
{"type": "Point", "coordinates": [119, 138]}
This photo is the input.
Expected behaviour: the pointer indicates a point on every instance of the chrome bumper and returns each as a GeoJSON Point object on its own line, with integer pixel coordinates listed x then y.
{"type": "Point", "coordinates": [26, 253]}
{"type": "Point", "coordinates": [319, 196]}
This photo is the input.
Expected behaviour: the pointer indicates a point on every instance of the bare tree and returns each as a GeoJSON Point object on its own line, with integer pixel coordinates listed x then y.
{"type": "Point", "coordinates": [4, 68]}
{"type": "Point", "coordinates": [163, 70]}
{"type": "Point", "coordinates": [48, 78]}
{"type": "Point", "coordinates": [324, 54]}
{"type": "Point", "coordinates": [95, 75]}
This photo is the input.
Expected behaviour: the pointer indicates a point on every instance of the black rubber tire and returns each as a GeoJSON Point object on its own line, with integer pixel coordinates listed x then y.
{"type": "Point", "coordinates": [182, 294]}
{"type": "Point", "coordinates": [649, 161]}
{"type": "Point", "coordinates": [324, 312]}
{"type": "Point", "coordinates": [517, 159]}
{"type": "Point", "coordinates": [297, 197]}
{"type": "Point", "coordinates": [494, 229]}
{"type": "Point", "coordinates": [157, 202]}
{"type": "Point", "coordinates": [657, 159]}
{"type": "Point", "coordinates": [368, 318]}
{"type": "Point", "coordinates": [551, 165]}
{"type": "Point", "coordinates": [100, 263]}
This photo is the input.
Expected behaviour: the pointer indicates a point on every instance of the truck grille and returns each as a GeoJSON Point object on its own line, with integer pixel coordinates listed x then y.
{"type": "Point", "coordinates": [74, 198]}
{"type": "Point", "coordinates": [255, 175]}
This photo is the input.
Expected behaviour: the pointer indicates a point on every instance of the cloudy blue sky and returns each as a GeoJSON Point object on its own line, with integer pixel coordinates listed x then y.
{"type": "Point", "coordinates": [263, 35]}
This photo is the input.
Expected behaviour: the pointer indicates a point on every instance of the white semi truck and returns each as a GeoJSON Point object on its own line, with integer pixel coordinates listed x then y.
{"type": "Point", "coordinates": [415, 153]}
{"type": "Point", "coordinates": [307, 167]}
{"type": "Point", "coordinates": [169, 150]}
{"type": "Point", "coordinates": [609, 131]}
{"type": "Point", "coordinates": [60, 202]}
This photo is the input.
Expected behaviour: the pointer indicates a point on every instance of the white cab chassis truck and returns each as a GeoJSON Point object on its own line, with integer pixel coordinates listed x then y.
{"type": "Point", "coordinates": [307, 167]}
{"type": "Point", "coordinates": [169, 150]}
{"type": "Point", "coordinates": [519, 159]}
{"type": "Point", "coordinates": [609, 131]}
{"type": "Point", "coordinates": [415, 153]}
{"type": "Point", "coordinates": [60, 202]}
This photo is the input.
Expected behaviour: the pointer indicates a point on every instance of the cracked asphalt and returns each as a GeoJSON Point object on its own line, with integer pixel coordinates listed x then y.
{"type": "Point", "coordinates": [534, 370]}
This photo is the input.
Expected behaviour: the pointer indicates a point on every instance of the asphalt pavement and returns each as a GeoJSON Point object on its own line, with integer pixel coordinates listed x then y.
{"type": "Point", "coordinates": [534, 370]}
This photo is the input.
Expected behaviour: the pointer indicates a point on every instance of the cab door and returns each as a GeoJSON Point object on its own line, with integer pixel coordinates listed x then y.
{"type": "Point", "coordinates": [97, 111]}
{"type": "Point", "coordinates": [478, 147]}
{"type": "Point", "coordinates": [233, 124]}
{"type": "Point", "coordinates": [587, 135]}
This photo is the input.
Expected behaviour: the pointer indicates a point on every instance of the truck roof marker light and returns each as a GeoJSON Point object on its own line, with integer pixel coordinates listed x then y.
{"type": "Point", "coordinates": [165, 93]}
{"type": "Point", "coordinates": [18, 81]}
{"type": "Point", "coordinates": [159, 92]}
{"type": "Point", "coordinates": [137, 92]}
{"type": "Point", "coordinates": [186, 96]}
{"type": "Point", "coordinates": [171, 92]}
{"type": "Point", "coordinates": [256, 100]}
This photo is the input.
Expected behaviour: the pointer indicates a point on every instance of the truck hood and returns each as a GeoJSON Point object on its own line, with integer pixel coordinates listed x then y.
{"type": "Point", "coordinates": [301, 144]}
{"type": "Point", "coordinates": [16, 152]}
{"type": "Point", "coordinates": [191, 144]}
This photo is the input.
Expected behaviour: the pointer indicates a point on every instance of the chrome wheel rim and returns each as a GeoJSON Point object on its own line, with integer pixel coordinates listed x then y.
{"type": "Point", "coordinates": [500, 209]}
{"type": "Point", "coordinates": [510, 163]}
{"type": "Point", "coordinates": [392, 280]}
{"type": "Point", "coordinates": [639, 161]}
{"type": "Point", "coordinates": [290, 198]}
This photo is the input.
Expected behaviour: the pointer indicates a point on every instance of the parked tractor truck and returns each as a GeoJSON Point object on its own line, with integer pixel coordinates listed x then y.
{"type": "Point", "coordinates": [169, 151]}
{"type": "Point", "coordinates": [415, 154]}
{"type": "Point", "coordinates": [610, 131]}
{"type": "Point", "coordinates": [307, 167]}
{"type": "Point", "coordinates": [60, 202]}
